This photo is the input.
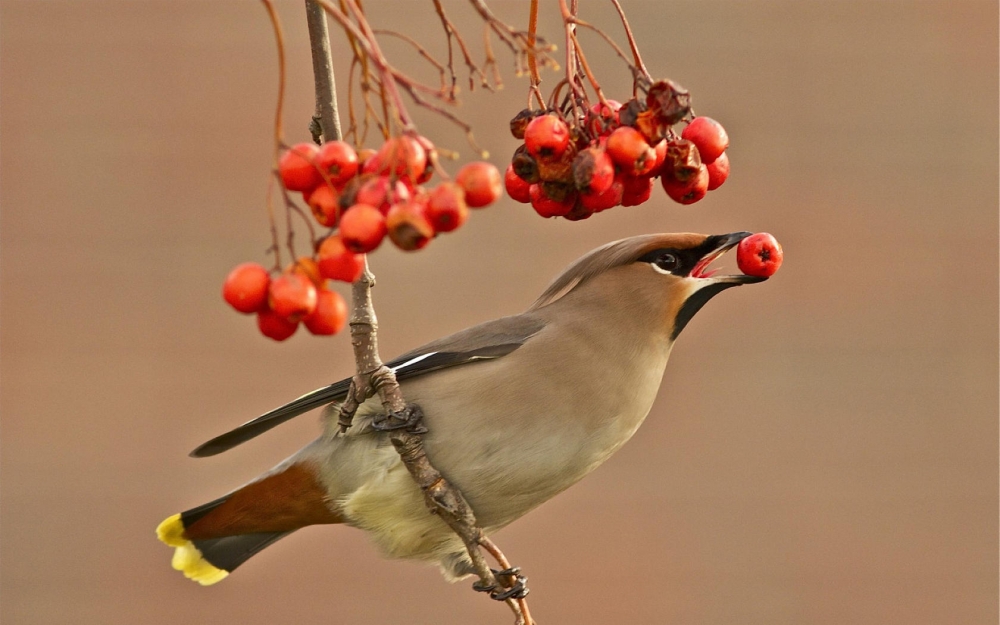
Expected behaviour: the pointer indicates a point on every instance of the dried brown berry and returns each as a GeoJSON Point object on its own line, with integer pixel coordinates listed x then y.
{"type": "Point", "coordinates": [520, 122]}
{"type": "Point", "coordinates": [682, 161]}
{"type": "Point", "coordinates": [669, 101]}
{"type": "Point", "coordinates": [593, 171]}
{"type": "Point", "coordinates": [525, 165]}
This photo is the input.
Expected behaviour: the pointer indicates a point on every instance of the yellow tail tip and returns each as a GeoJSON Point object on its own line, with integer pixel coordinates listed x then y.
{"type": "Point", "coordinates": [187, 559]}
{"type": "Point", "coordinates": [171, 532]}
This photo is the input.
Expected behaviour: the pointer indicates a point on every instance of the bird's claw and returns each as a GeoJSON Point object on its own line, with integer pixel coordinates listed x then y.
{"type": "Point", "coordinates": [518, 590]}
{"type": "Point", "coordinates": [409, 419]}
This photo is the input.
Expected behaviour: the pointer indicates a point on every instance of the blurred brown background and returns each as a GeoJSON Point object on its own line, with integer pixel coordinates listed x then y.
{"type": "Point", "coordinates": [824, 449]}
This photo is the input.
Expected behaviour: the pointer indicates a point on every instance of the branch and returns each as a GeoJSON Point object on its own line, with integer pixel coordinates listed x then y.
{"type": "Point", "coordinates": [327, 115]}
{"type": "Point", "coordinates": [401, 421]}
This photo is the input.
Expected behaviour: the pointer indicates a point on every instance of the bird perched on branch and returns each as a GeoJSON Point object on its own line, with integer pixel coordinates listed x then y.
{"type": "Point", "coordinates": [516, 409]}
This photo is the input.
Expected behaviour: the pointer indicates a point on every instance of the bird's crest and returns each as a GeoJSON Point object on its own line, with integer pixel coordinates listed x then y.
{"type": "Point", "coordinates": [609, 256]}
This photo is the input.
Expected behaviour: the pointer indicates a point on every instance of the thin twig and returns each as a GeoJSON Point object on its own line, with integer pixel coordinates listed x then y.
{"type": "Point", "coordinates": [607, 39]}
{"type": "Point", "coordinates": [442, 70]}
{"type": "Point", "coordinates": [450, 31]}
{"type": "Point", "coordinates": [534, 74]}
{"type": "Point", "coordinates": [586, 70]}
{"type": "Point", "coordinates": [631, 41]}
{"type": "Point", "coordinates": [269, 200]}
{"type": "Point", "coordinates": [279, 40]}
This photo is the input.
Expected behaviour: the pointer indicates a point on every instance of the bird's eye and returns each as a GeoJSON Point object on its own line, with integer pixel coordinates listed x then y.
{"type": "Point", "coordinates": [667, 261]}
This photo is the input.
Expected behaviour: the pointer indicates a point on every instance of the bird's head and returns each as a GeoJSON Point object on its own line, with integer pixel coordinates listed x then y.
{"type": "Point", "coordinates": [668, 275]}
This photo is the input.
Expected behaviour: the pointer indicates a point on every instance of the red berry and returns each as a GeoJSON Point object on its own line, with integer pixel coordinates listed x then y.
{"type": "Point", "coordinates": [362, 228]}
{"type": "Point", "coordinates": [336, 262]}
{"type": "Point", "coordinates": [307, 267]}
{"type": "Point", "coordinates": [338, 160]}
{"type": "Point", "coordinates": [517, 188]}
{"type": "Point", "coordinates": [481, 182]}
{"type": "Point", "coordinates": [759, 255]}
{"type": "Point", "coordinates": [378, 192]}
{"type": "Point", "coordinates": [292, 296]}
{"type": "Point", "coordinates": [297, 167]}
{"type": "Point", "coordinates": [365, 156]}
{"type": "Point", "coordinates": [636, 190]}
{"type": "Point", "coordinates": [432, 157]}
{"type": "Point", "coordinates": [245, 288]}
{"type": "Point", "coordinates": [323, 202]}
{"type": "Point", "coordinates": [402, 157]}
{"type": "Point", "coordinates": [446, 209]}
{"type": "Point", "coordinates": [274, 326]}
{"type": "Point", "coordinates": [709, 136]}
{"type": "Point", "coordinates": [593, 171]}
{"type": "Point", "coordinates": [598, 202]}
{"type": "Point", "coordinates": [661, 155]}
{"type": "Point", "coordinates": [687, 192]}
{"type": "Point", "coordinates": [718, 172]}
{"type": "Point", "coordinates": [630, 152]}
{"type": "Point", "coordinates": [520, 122]}
{"type": "Point", "coordinates": [408, 227]}
{"type": "Point", "coordinates": [604, 118]}
{"type": "Point", "coordinates": [547, 207]}
{"type": "Point", "coordinates": [546, 136]}
{"type": "Point", "coordinates": [330, 315]}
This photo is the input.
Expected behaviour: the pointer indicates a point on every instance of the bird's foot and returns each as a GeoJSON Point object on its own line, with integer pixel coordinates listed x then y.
{"type": "Point", "coordinates": [409, 419]}
{"type": "Point", "coordinates": [516, 590]}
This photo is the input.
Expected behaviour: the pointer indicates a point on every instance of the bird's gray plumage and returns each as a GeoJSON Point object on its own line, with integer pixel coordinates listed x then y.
{"type": "Point", "coordinates": [517, 409]}
{"type": "Point", "coordinates": [486, 341]}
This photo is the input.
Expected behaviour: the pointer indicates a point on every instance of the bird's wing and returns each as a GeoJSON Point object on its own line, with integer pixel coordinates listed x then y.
{"type": "Point", "coordinates": [487, 341]}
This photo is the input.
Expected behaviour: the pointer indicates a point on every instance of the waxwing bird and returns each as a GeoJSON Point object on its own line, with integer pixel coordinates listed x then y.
{"type": "Point", "coordinates": [517, 410]}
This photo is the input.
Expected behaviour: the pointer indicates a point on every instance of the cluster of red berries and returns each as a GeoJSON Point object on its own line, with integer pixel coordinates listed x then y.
{"type": "Point", "coordinates": [367, 196]}
{"type": "Point", "coordinates": [375, 194]}
{"type": "Point", "coordinates": [611, 155]}
{"type": "Point", "coordinates": [759, 255]}
{"type": "Point", "coordinates": [299, 294]}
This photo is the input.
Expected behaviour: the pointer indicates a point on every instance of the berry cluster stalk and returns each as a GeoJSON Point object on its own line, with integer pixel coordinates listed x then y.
{"type": "Point", "coordinates": [372, 376]}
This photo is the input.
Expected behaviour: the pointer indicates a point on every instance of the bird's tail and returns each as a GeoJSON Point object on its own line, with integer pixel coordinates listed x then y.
{"type": "Point", "coordinates": [213, 539]}
{"type": "Point", "coordinates": [210, 560]}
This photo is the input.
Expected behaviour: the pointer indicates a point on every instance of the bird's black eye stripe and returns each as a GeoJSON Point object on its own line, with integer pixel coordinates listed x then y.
{"type": "Point", "coordinates": [670, 259]}
{"type": "Point", "coordinates": [667, 261]}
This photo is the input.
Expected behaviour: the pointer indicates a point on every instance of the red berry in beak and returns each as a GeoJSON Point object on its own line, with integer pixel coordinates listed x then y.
{"type": "Point", "coordinates": [759, 255]}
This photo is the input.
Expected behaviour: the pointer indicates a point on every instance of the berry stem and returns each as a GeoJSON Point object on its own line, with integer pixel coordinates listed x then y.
{"type": "Point", "coordinates": [452, 32]}
{"type": "Point", "coordinates": [631, 42]}
{"type": "Point", "coordinates": [536, 78]}
{"type": "Point", "coordinates": [279, 39]}
{"type": "Point", "coordinates": [577, 93]}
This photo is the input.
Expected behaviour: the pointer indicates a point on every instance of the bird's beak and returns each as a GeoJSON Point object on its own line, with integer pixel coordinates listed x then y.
{"type": "Point", "coordinates": [716, 246]}
{"type": "Point", "coordinates": [706, 284]}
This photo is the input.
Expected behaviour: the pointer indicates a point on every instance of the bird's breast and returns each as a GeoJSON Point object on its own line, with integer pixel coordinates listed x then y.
{"type": "Point", "coordinates": [514, 432]}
